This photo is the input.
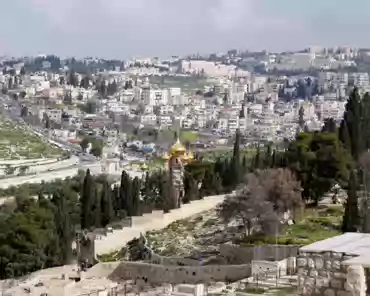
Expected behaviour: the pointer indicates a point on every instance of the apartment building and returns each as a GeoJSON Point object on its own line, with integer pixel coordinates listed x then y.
{"type": "Point", "coordinates": [148, 119]}
{"type": "Point", "coordinates": [359, 79]}
{"type": "Point", "coordinates": [330, 109]}
{"type": "Point", "coordinates": [154, 97]}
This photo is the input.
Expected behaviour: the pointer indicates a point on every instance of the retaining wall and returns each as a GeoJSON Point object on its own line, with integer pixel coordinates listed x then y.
{"type": "Point", "coordinates": [159, 274]}
{"type": "Point", "coordinates": [244, 255]}
{"type": "Point", "coordinates": [46, 177]}
{"type": "Point", "coordinates": [156, 220]}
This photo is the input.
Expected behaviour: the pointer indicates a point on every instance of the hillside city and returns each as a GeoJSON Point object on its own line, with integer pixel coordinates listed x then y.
{"type": "Point", "coordinates": [234, 173]}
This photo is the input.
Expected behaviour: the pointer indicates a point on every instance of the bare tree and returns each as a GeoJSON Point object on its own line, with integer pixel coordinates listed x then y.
{"type": "Point", "coordinates": [262, 200]}
{"type": "Point", "coordinates": [248, 206]}
{"type": "Point", "coordinates": [283, 189]}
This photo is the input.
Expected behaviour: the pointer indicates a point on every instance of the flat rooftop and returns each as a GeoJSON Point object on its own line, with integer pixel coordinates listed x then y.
{"type": "Point", "coordinates": [349, 243]}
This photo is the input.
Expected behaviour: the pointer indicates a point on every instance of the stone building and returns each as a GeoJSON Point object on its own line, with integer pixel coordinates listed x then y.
{"type": "Point", "coordinates": [337, 266]}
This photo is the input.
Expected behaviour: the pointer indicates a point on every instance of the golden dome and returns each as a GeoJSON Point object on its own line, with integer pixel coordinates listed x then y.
{"type": "Point", "coordinates": [190, 155]}
{"type": "Point", "coordinates": [177, 148]}
{"type": "Point", "coordinates": [185, 157]}
{"type": "Point", "coordinates": [166, 156]}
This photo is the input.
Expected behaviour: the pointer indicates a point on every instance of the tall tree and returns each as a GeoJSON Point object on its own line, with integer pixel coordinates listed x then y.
{"type": "Point", "coordinates": [72, 79]}
{"type": "Point", "coordinates": [63, 225]}
{"type": "Point", "coordinates": [365, 123]}
{"type": "Point", "coordinates": [87, 200]}
{"type": "Point", "coordinates": [319, 161]}
{"type": "Point", "coordinates": [235, 162]}
{"type": "Point", "coordinates": [352, 122]}
{"type": "Point", "coordinates": [106, 205]}
{"type": "Point", "coordinates": [351, 212]}
{"type": "Point", "coordinates": [125, 196]}
{"type": "Point", "coordinates": [95, 209]}
{"type": "Point", "coordinates": [301, 122]}
{"type": "Point", "coordinates": [135, 192]}
{"type": "Point", "coordinates": [329, 125]}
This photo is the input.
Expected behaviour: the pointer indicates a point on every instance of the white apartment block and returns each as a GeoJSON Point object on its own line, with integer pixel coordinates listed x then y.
{"type": "Point", "coordinates": [164, 120]}
{"type": "Point", "coordinates": [166, 109]}
{"type": "Point", "coordinates": [149, 119]}
{"type": "Point", "coordinates": [330, 109]}
{"type": "Point", "coordinates": [187, 123]}
{"type": "Point", "coordinates": [231, 124]}
{"type": "Point", "coordinates": [207, 68]}
{"type": "Point", "coordinates": [201, 121]}
{"type": "Point", "coordinates": [359, 79]}
{"type": "Point", "coordinates": [154, 97]}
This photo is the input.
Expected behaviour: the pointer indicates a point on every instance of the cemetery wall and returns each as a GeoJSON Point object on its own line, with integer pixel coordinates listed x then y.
{"type": "Point", "coordinates": [244, 255]}
{"type": "Point", "coordinates": [159, 274]}
{"type": "Point", "coordinates": [110, 241]}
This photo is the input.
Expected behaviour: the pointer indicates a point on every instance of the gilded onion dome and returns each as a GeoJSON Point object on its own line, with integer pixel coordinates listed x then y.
{"type": "Point", "coordinates": [166, 156]}
{"type": "Point", "coordinates": [177, 148]}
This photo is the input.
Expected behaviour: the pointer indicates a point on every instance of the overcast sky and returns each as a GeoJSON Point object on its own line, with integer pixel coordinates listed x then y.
{"type": "Point", "coordinates": [124, 28]}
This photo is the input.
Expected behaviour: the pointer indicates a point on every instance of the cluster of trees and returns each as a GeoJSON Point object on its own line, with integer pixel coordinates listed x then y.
{"type": "Point", "coordinates": [317, 161]}
{"type": "Point", "coordinates": [96, 145]}
{"type": "Point", "coordinates": [37, 233]}
{"type": "Point", "coordinates": [100, 84]}
{"type": "Point", "coordinates": [105, 89]}
{"type": "Point", "coordinates": [302, 89]}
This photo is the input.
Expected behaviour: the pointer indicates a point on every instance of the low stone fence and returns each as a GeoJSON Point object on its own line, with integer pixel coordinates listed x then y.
{"type": "Point", "coordinates": [244, 255]}
{"type": "Point", "coordinates": [159, 274]}
{"type": "Point", "coordinates": [38, 178]}
{"type": "Point", "coordinates": [279, 268]}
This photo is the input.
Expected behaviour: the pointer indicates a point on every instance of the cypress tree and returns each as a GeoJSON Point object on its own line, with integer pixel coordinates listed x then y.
{"type": "Point", "coordinates": [244, 165]}
{"type": "Point", "coordinates": [106, 205]}
{"type": "Point", "coordinates": [365, 128]}
{"type": "Point", "coordinates": [273, 159]}
{"type": "Point", "coordinates": [257, 159]}
{"type": "Point", "coordinates": [268, 157]}
{"type": "Point", "coordinates": [301, 118]}
{"type": "Point", "coordinates": [63, 226]}
{"type": "Point", "coordinates": [351, 214]}
{"type": "Point", "coordinates": [96, 210]}
{"type": "Point", "coordinates": [352, 122]}
{"type": "Point", "coordinates": [235, 162]}
{"type": "Point", "coordinates": [87, 199]}
{"type": "Point", "coordinates": [191, 189]}
{"type": "Point", "coordinates": [136, 196]}
{"type": "Point", "coordinates": [126, 202]}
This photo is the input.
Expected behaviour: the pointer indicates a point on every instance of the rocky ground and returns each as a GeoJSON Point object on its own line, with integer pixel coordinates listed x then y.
{"type": "Point", "coordinates": [199, 236]}
{"type": "Point", "coordinates": [201, 233]}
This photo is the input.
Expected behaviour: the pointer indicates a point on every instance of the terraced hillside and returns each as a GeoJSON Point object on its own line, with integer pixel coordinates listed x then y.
{"type": "Point", "coordinates": [16, 142]}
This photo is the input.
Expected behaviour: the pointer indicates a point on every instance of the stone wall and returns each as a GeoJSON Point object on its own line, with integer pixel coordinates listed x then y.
{"type": "Point", "coordinates": [322, 274]}
{"type": "Point", "coordinates": [158, 259]}
{"type": "Point", "coordinates": [244, 255]}
{"type": "Point", "coordinates": [116, 239]}
{"type": "Point", "coordinates": [38, 178]}
{"type": "Point", "coordinates": [278, 268]}
{"type": "Point", "coordinates": [159, 274]}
